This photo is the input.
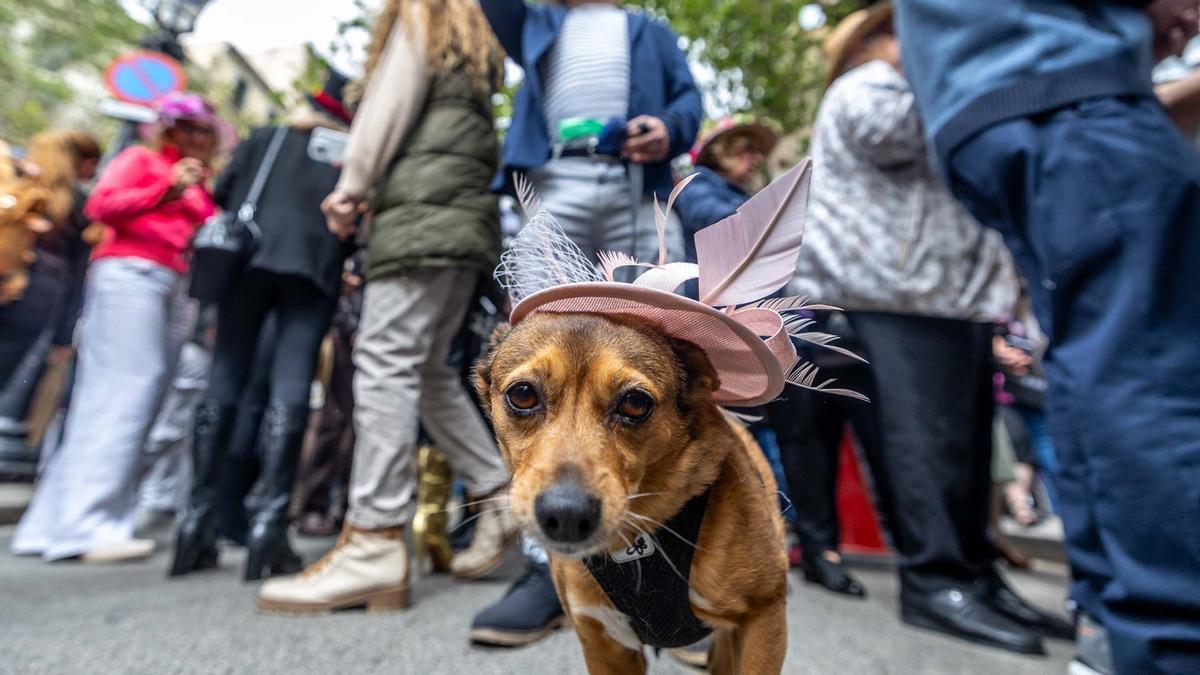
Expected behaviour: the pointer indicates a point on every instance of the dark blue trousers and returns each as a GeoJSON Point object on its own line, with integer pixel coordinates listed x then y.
{"type": "Point", "coordinates": [1100, 204]}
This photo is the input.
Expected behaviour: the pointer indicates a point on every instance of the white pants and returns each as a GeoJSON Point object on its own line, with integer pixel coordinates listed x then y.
{"type": "Point", "coordinates": [135, 320]}
{"type": "Point", "coordinates": [402, 379]}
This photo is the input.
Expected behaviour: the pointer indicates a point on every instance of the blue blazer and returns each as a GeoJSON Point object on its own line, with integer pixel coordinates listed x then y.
{"type": "Point", "coordinates": [660, 85]}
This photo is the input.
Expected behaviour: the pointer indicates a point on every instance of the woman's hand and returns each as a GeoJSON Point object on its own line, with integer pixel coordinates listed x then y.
{"type": "Point", "coordinates": [342, 210]}
{"type": "Point", "coordinates": [187, 172]}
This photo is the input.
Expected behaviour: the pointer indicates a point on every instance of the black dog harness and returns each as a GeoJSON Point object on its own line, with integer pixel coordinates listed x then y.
{"type": "Point", "coordinates": [648, 580]}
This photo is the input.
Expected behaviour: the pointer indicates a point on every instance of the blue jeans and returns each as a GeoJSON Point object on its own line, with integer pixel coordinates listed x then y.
{"type": "Point", "coordinates": [1100, 203]}
{"type": "Point", "coordinates": [1043, 450]}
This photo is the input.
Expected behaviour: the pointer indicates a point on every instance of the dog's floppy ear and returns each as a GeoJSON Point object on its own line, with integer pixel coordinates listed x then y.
{"type": "Point", "coordinates": [481, 374]}
{"type": "Point", "coordinates": [699, 377]}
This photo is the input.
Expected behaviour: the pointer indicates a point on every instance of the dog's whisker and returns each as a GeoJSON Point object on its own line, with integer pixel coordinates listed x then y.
{"type": "Point", "coordinates": [637, 587]}
{"type": "Point", "coordinates": [644, 494]}
{"type": "Point", "coordinates": [664, 527]}
{"type": "Point", "coordinates": [659, 549]}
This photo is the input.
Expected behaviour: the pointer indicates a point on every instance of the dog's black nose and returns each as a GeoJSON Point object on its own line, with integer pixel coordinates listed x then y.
{"type": "Point", "coordinates": [567, 513]}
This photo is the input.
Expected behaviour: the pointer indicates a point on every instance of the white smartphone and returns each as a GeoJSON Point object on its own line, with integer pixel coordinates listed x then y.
{"type": "Point", "coordinates": [327, 146]}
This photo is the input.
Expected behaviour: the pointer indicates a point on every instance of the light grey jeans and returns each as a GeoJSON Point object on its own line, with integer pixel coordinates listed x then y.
{"type": "Point", "coordinates": [136, 317]}
{"type": "Point", "coordinates": [168, 479]}
{"type": "Point", "coordinates": [593, 201]}
{"type": "Point", "coordinates": [402, 378]}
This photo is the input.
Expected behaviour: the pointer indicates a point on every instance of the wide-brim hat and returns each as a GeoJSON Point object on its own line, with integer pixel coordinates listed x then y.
{"type": "Point", "coordinates": [761, 133]}
{"type": "Point", "coordinates": [849, 35]}
{"type": "Point", "coordinates": [742, 259]}
{"type": "Point", "coordinates": [331, 99]}
{"type": "Point", "coordinates": [190, 106]}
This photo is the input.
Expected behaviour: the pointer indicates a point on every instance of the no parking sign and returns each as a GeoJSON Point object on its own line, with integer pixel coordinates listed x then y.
{"type": "Point", "coordinates": [144, 77]}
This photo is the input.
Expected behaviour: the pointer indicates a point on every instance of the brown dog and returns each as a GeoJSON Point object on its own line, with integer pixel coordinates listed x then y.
{"type": "Point", "coordinates": [609, 429]}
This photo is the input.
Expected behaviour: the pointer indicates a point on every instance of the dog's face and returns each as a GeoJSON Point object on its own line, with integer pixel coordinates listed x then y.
{"type": "Point", "coordinates": [584, 408]}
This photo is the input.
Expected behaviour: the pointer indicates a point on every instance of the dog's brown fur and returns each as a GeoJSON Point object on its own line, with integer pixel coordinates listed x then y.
{"type": "Point", "coordinates": [581, 365]}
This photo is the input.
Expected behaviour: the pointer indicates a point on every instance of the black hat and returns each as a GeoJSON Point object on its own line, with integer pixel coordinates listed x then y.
{"type": "Point", "coordinates": [331, 97]}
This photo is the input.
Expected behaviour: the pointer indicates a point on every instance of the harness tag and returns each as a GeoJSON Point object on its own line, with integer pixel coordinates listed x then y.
{"type": "Point", "coordinates": [642, 547]}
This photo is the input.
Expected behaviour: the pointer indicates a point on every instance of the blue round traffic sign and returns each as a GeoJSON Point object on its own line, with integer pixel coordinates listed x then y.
{"type": "Point", "coordinates": [144, 77]}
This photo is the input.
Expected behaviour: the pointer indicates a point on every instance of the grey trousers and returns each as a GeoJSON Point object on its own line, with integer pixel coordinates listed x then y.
{"type": "Point", "coordinates": [403, 379]}
{"type": "Point", "coordinates": [136, 317]}
{"type": "Point", "coordinates": [169, 448]}
{"type": "Point", "coordinates": [593, 200]}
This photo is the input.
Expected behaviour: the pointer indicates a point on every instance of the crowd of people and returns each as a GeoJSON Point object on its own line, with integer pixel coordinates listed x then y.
{"type": "Point", "coordinates": [1003, 209]}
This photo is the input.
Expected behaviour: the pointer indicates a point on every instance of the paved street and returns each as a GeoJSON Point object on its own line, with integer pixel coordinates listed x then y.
{"type": "Point", "coordinates": [68, 618]}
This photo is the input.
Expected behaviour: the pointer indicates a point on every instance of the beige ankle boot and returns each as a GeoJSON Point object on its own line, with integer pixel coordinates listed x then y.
{"type": "Point", "coordinates": [367, 567]}
{"type": "Point", "coordinates": [494, 531]}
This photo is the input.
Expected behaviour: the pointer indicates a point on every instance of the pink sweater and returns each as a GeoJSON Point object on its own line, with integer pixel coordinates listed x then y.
{"type": "Point", "coordinates": [128, 199]}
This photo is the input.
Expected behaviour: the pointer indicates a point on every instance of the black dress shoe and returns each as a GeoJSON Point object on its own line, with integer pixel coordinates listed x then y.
{"type": "Point", "coordinates": [832, 576]}
{"type": "Point", "coordinates": [528, 612]}
{"type": "Point", "coordinates": [1005, 600]}
{"type": "Point", "coordinates": [963, 614]}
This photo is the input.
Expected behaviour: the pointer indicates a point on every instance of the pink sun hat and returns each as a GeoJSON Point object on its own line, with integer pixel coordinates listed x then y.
{"type": "Point", "coordinates": [186, 105]}
{"type": "Point", "coordinates": [742, 259]}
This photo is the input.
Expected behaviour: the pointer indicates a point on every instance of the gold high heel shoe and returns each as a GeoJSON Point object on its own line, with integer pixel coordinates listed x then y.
{"type": "Point", "coordinates": [429, 522]}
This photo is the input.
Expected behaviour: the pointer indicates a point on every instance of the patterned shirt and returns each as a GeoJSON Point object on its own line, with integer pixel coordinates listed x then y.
{"type": "Point", "coordinates": [587, 70]}
{"type": "Point", "coordinates": [883, 233]}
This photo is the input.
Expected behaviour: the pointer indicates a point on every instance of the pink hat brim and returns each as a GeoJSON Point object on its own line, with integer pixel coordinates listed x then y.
{"type": "Point", "coordinates": [750, 373]}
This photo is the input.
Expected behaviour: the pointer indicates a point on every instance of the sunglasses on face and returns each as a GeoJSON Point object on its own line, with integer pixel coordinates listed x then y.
{"type": "Point", "coordinates": [194, 129]}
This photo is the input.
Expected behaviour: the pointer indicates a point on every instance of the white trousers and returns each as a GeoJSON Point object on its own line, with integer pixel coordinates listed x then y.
{"type": "Point", "coordinates": [135, 320]}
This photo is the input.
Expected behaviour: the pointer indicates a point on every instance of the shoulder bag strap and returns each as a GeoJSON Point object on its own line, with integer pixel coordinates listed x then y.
{"type": "Point", "coordinates": [250, 206]}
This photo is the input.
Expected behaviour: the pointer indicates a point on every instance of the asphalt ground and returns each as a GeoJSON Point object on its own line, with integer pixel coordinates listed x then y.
{"type": "Point", "coordinates": [73, 619]}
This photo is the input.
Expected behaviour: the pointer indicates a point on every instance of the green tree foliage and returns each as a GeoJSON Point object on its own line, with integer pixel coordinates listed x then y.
{"type": "Point", "coordinates": [42, 40]}
{"type": "Point", "coordinates": [765, 62]}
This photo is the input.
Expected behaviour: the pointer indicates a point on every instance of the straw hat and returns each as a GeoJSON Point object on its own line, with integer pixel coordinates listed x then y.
{"type": "Point", "coordinates": [849, 35]}
{"type": "Point", "coordinates": [742, 259]}
{"type": "Point", "coordinates": [760, 132]}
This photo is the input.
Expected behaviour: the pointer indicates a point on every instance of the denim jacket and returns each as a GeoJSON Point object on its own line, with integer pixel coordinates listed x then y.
{"type": "Point", "coordinates": [660, 85]}
{"type": "Point", "coordinates": [975, 63]}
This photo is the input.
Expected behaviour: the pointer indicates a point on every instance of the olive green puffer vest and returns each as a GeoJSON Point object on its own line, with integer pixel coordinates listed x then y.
{"type": "Point", "coordinates": [435, 209]}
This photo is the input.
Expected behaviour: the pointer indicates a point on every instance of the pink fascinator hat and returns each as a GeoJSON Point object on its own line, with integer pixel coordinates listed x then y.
{"type": "Point", "coordinates": [742, 259]}
{"type": "Point", "coordinates": [186, 105]}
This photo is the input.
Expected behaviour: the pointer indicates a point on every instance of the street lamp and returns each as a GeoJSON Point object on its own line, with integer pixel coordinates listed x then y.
{"type": "Point", "coordinates": [173, 18]}
{"type": "Point", "coordinates": [178, 16]}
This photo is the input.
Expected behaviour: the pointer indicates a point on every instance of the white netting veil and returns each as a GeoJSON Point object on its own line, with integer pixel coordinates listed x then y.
{"type": "Point", "coordinates": [541, 255]}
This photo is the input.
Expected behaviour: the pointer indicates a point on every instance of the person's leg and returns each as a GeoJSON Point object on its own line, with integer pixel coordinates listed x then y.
{"type": "Point", "coordinates": [91, 484]}
{"type": "Point", "coordinates": [1114, 277]}
{"type": "Point", "coordinates": [239, 469]}
{"type": "Point", "coordinates": [457, 427]}
{"type": "Point", "coordinates": [164, 487]}
{"type": "Point", "coordinates": [303, 314]}
{"type": "Point", "coordinates": [239, 321]}
{"type": "Point", "coordinates": [928, 380]}
{"type": "Point", "coordinates": [370, 563]}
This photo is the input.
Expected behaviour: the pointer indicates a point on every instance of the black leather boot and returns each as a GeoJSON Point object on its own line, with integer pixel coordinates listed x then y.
{"type": "Point", "coordinates": [267, 545]}
{"type": "Point", "coordinates": [196, 535]}
{"type": "Point", "coordinates": [1002, 598]}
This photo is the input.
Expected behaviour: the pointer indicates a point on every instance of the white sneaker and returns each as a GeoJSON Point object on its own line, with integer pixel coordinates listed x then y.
{"type": "Point", "coordinates": [494, 532]}
{"type": "Point", "coordinates": [126, 550]}
{"type": "Point", "coordinates": [367, 567]}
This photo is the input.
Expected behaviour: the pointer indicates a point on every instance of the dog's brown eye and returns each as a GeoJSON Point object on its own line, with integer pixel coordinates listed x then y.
{"type": "Point", "coordinates": [635, 406]}
{"type": "Point", "coordinates": [522, 397]}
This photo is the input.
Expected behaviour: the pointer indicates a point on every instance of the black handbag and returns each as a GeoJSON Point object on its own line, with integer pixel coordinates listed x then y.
{"type": "Point", "coordinates": [228, 240]}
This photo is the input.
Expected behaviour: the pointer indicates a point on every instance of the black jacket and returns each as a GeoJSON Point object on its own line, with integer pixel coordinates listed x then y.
{"type": "Point", "coordinates": [295, 239]}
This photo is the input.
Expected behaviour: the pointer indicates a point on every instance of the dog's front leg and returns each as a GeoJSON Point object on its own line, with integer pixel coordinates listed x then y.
{"type": "Point", "coordinates": [760, 641]}
{"type": "Point", "coordinates": [604, 655]}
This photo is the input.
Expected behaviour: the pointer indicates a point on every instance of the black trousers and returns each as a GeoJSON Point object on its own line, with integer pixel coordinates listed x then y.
{"type": "Point", "coordinates": [933, 404]}
{"type": "Point", "coordinates": [302, 314]}
{"type": "Point", "coordinates": [323, 483]}
{"type": "Point", "coordinates": [809, 428]}
{"type": "Point", "coordinates": [23, 321]}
